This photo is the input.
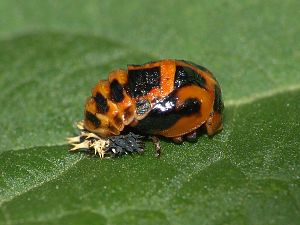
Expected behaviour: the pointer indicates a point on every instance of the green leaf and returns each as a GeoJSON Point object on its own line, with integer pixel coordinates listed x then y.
{"type": "Point", "coordinates": [52, 54]}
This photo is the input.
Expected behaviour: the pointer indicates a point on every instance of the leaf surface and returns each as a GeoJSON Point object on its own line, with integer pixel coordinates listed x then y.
{"type": "Point", "coordinates": [52, 54]}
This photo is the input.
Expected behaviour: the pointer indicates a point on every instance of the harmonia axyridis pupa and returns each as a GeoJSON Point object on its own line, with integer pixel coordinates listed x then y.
{"type": "Point", "coordinates": [169, 98]}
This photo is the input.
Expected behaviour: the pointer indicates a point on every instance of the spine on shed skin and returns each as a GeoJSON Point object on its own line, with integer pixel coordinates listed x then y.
{"type": "Point", "coordinates": [110, 108]}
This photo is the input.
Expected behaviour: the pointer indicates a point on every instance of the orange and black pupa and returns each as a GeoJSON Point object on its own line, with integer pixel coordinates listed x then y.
{"type": "Point", "coordinates": [169, 98]}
